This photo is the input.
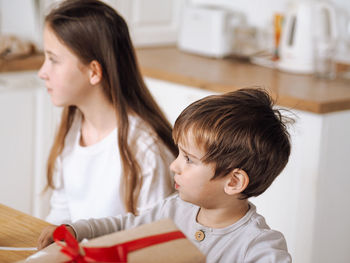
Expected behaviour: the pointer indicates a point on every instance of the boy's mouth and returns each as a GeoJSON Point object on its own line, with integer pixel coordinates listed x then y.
{"type": "Point", "coordinates": [176, 185]}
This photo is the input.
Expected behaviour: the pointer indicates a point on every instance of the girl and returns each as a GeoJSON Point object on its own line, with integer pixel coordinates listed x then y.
{"type": "Point", "coordinates": [113, 147]}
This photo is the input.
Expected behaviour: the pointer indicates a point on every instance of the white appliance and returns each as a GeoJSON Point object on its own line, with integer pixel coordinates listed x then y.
{"type": "Point", "coordinates": [305, 22]}
{"type": "Point", "coordinates": [206, 31]}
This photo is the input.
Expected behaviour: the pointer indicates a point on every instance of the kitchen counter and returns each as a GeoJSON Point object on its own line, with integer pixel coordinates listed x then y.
{"type": "Point", "coordinates": [302, 92]}
{"type": "Point", "coordinates": [32, 62]}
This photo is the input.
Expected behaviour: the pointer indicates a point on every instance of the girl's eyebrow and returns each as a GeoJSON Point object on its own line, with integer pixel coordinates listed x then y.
{"type": "Point", "coordinates": [191, 155]}
{"type": "Point", "coordinates": [50, 53]}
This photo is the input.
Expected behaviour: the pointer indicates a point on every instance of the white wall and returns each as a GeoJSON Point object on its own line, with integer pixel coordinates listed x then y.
{"type": "Point", "coordinates": [18, 17]}
{"type": "Point", "coordinates": [260, 13]}
{"type": "Point", "coordinates": [24, 17]}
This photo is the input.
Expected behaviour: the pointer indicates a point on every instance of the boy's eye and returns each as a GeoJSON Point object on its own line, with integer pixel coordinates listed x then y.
{"type": "Point", "coordinates": [188, 160]}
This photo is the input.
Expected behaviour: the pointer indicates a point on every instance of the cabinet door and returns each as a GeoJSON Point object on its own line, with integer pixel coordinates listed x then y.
{"type": "Point", "coordinates": [17, 115]}
{"type": "Point", "coordinates": [28, 122]}
{"type": "Point", "coordinates": [47, 118]}
{"type": "Point", "coordinates": [173, 98]}
{"type": "Point", "coordinates": [151, 22]}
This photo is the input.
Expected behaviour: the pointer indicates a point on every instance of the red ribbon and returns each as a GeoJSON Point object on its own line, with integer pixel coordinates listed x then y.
{"type": "Point", "coordinates": [117, 253]}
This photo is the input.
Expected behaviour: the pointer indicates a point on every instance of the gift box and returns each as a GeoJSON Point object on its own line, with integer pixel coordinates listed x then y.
{"type": "Point", "coordinates": [160, 241]}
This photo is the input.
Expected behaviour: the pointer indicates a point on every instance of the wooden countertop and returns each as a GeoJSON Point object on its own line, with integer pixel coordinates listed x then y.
{"type": "Point", "coordinates": [18, 230]}
{"type": "Point", "coordinates": [32, 62]}
{"type": "Point", "coordinates": [302, 92]}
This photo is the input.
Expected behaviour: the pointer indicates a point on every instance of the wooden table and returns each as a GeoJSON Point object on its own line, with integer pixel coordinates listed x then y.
{"type": "Point", "coordinates": [18, 230]}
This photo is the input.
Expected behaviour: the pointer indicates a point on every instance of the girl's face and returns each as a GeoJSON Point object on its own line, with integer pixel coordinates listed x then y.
{"type": "Point", "coordinates": [66, 78]}
{"type": "Point", "coordinates": [193, 177]}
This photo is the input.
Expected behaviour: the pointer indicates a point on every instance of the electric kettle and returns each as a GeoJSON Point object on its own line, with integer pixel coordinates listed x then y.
{"type": "Point", "coordinates": [305, 22]}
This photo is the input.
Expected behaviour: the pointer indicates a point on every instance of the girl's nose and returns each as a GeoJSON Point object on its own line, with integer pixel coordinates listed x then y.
{"type": "Point", "coordinates": [41, 73]}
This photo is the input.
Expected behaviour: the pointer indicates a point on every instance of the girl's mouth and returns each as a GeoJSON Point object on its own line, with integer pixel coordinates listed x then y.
{"type": "Point", "coordinates": [177, 186]}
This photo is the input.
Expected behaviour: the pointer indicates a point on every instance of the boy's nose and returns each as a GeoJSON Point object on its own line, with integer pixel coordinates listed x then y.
{"type": "Point", "coordinates": [174, 167]}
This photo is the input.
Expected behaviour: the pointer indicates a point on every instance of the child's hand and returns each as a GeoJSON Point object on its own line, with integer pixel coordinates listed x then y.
{"type": "Point", "coordinates": [46, 236]}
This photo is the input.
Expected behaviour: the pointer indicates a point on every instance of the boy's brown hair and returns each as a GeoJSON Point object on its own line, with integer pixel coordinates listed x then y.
{"type": "Point", "coordinates": [239, 129]}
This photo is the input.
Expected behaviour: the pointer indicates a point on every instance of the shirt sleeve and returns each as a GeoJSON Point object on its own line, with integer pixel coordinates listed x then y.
{"type": "Point", "coordinates": [268, 247]}
{"type": "Point", "coordinates": [59, 212]}
{"type": "Point", "coordinates": [157, 179]}
{"type": "Point", "coordinates": [92, 228]}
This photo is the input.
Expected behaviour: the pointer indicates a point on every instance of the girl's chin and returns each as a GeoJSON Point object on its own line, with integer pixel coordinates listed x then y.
{"type": "Point", "coordinates": [58, 103]}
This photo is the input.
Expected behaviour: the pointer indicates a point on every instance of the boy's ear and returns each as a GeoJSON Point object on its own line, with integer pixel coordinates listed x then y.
{"type": "Point", "coordinates": [237, 181]}
{"type": "Point", "coordinates": [95, 74]}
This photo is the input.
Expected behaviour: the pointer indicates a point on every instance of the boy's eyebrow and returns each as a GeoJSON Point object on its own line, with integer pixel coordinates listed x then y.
{"type": "Point", "coordinates": [191, 155]}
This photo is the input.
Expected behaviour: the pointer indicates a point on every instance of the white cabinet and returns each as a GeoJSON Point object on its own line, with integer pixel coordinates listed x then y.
{"type": "Point", "coordinates": [173, 98]}
{"type": "Point", "coordinates": [17, 116]}
{"type": "Point", "coordinates": [28, 122]}
{"type": "Point", "coordinates": [151, 22]}
{"type": "Point", "coordinates": [309, 201]}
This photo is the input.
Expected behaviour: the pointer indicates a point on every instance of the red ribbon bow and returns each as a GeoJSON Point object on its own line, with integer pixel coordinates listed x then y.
{"type": "Point", "coordinates": [117, 253]}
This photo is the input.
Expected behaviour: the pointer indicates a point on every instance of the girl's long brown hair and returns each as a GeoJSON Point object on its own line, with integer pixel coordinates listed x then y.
{"type": "Point", "coordinates": [95, 31]}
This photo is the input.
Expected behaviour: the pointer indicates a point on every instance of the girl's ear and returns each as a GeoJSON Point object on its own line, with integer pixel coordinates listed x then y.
{"type": "Point", "coordinates": [237, 181]}
{"type": "Point", "coordinates": [95, 72]}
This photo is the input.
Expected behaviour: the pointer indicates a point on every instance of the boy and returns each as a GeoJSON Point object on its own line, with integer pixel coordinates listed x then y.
{"type": "Point", "coordinates": [231, 147]}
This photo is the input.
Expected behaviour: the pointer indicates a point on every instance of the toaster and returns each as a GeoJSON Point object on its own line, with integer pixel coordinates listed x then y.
{"type": "Point", "coordinates": [206, 31]}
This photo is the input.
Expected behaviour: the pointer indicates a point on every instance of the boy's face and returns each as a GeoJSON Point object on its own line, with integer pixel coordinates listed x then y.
{"type": "Point", "coordinates": [193, 177]}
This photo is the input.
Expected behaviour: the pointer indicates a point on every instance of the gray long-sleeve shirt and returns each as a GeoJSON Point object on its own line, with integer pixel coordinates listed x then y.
{"type": "Point", "coordinates": [248, 240]}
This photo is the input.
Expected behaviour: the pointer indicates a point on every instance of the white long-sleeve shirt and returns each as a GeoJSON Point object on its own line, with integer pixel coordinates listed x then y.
{"type": "Point", "coordinates": [248, 240]}
{"type": "Point", "coordinates": [89, 179]}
